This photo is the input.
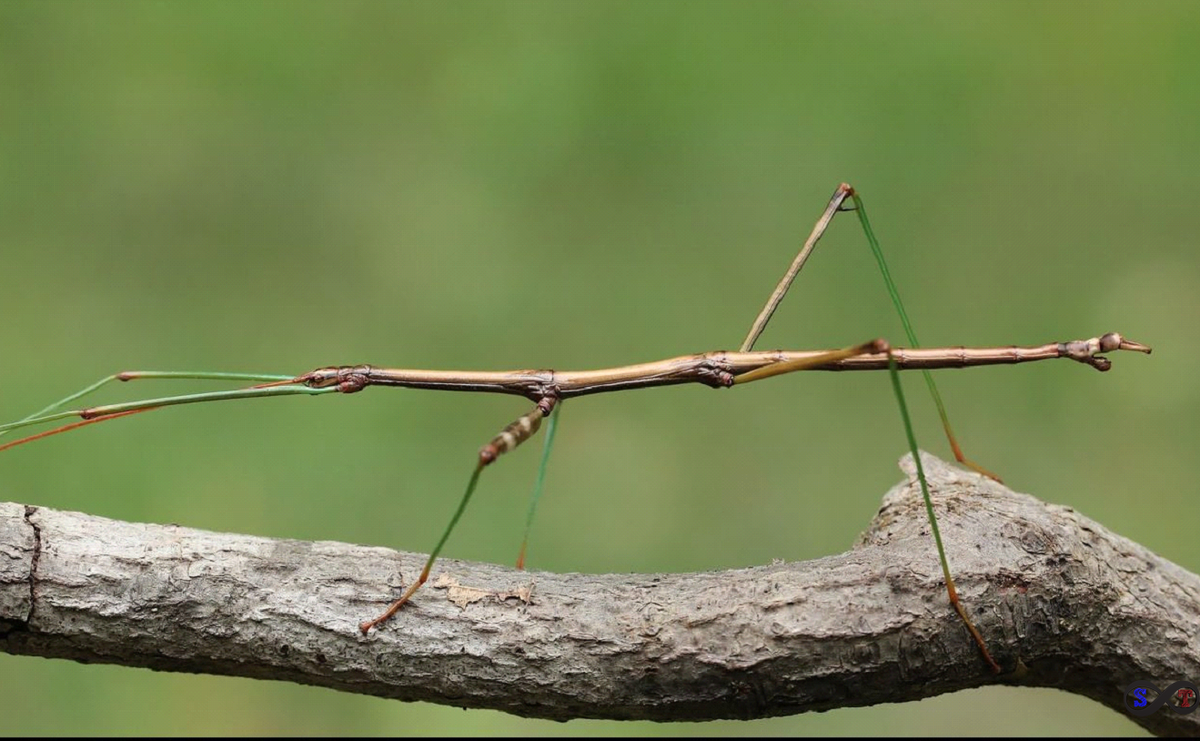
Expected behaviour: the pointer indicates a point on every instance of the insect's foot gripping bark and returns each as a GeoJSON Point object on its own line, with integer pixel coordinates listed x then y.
{"type": "Point", "coordinates": [1088, 351]}
{"type": "Point", "coordinates": [975, 634]}
{"type": "Point", "coordinates": [365, 627]}
{"type": "Point", "coordinates": [348, 378]}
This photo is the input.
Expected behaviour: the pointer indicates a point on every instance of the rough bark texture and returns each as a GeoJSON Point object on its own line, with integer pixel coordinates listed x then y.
{"type": "Point", "coordinates": [1061, 601]}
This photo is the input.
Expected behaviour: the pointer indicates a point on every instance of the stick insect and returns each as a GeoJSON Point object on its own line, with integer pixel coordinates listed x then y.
{"type": "Point", "coordinates": [548, 389]}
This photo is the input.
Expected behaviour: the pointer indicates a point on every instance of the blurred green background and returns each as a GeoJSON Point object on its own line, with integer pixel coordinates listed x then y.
{"type": "Point", "coordinates": [271, 187]}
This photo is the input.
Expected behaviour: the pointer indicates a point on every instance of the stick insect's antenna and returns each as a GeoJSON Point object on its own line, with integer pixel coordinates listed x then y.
{"type": "Point", "coordinates": [71, 426]}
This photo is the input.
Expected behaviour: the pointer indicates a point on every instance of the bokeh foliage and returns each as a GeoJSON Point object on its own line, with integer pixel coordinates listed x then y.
{"type": "Point", "coordinates": [274, 186]}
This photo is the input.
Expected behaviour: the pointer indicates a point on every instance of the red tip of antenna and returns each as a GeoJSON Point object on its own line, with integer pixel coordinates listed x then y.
{"type": "Point", "coordinates": [72, 426]}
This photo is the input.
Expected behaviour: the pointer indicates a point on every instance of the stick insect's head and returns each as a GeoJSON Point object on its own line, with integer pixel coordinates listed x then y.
{"type": "Point", "coordinates": [348, 378]}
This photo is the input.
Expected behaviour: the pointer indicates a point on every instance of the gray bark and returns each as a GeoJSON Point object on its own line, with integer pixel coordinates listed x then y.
{"type": "Point", "coordinates": [1061, 601]}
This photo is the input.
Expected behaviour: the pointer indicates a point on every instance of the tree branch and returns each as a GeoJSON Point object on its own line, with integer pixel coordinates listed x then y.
{"type": "Point", "coordinates": [1061, 601]}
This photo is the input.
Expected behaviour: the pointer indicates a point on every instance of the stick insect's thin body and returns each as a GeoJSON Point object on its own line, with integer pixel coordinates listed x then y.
{"type": "Point", "coordinates": [717, 369]}
{"type": "Point", "coordinates": [547, 389]}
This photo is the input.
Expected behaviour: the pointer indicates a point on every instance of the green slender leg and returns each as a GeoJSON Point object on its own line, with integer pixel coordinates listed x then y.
{"type": "Point", "coordinates": [131, 375]}
{"type": "Point", "coordinates": [837, 204]}
{"type": "Point", "coordinates": [861, 210]}
{"type": "Point", "coordinates": [538, 482]}
{"type": "Point", "coordinates": [509, 438]}
{"type": "Point", "coordinates": [894, 372]}
{"type": "Point", "coordinates": [933, 523]}
{"type": "Point", "coordinates": [395, 606]}
{"type": "Point", "coordinates": [95, 414]}
{"type": "Point", "coordinates": [66, 400]}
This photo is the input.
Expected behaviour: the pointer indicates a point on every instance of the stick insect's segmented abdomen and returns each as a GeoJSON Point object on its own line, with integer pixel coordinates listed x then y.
{"type": "Point", "coordinates": [516, 433]}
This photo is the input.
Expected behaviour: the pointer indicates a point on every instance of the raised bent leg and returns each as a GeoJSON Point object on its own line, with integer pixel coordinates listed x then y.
{"type": "Point", "coordinates": [839, 197]}
{"type": "Point", "coordinates": [837, 203]}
